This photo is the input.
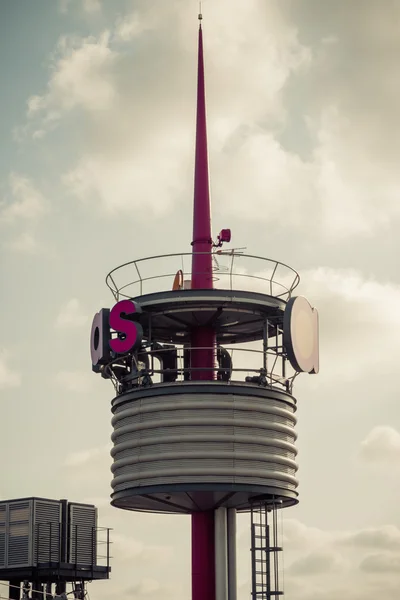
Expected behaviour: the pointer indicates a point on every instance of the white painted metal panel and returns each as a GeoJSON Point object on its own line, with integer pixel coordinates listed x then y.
{"type": "Point", "coordinates": [205, 437]}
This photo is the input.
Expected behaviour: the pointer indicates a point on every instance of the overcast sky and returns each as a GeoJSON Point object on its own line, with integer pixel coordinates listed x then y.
{"type": "Point", "coordinates": [96, 168]}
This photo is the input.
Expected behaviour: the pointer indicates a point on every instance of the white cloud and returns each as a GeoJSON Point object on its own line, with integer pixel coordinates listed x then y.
{"type": "Point", "coordinates": [92, 6]}
{"type": "Point", "coordinates": [133, 550]}
{"type": "Point", "coordinates": [87, 458]}
{"type": "Point", "coordinates": [24, 243]}
{"type": "Point", "coordinates": [79, 382]}
{"type": "Point", "coordinates": [325, 191]}
{"type": "Point", "coordinates": [300, 536]}
{"type": "Point", "coordinates": [71, 315]}
{"type": "Point", "coordinates": [8, 377]}
{"type": "Point", "coordinates": [145, 159]}
{"type": "Point", "coordinates": [26, 202]}
{"type": "Point", "coordinates": [119, 181]}
{"type": "Point", "coordinates": [88, 6]}
{"type": "Point", "coordinates": [92, 74]}
{"type": "Point", "coordinates": [347, 304]}
{"type": "Point", "coordinates": [81, 78]}
{"type": "Point", "coordinates": [146, 587]}
{"type": "Point", "coordinates": [337, 186]}
{"type": "Point", "coordinates": [352, 204]}
{"type": "Point", "coordinates": [381, 563]}
{"type": "Point", "coordinates": [381, 445]}
{"type": "Point", "coordinates": [257, 159]}
{"type": "Point", "coordinates": [131, 26]}
{"type": "Point", "coordinates": [383, 538]}
{"type": "Point", "coordinates": [332, 564]}
{"type": "Point", "coordinates": [317, 563]}
{"type": "Point", "coordinates": [153, 590]}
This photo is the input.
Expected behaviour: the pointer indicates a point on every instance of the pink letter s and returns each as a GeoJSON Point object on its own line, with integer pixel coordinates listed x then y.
{"type": "Point", "coordinates": [133, 331]}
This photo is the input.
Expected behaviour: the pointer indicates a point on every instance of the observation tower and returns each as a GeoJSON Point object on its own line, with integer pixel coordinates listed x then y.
{"type": "Point", "coordinates": [203, 348]}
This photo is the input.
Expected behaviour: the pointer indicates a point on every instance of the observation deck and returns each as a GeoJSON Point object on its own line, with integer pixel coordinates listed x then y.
{"type": "Point", "coordinates": [180, 444]}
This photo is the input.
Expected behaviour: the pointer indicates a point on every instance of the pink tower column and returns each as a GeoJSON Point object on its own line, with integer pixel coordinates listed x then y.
{"type": "Point", "coordinates": [203, 338]}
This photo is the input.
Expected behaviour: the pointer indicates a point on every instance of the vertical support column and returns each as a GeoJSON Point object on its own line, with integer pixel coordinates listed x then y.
{"type": "Point", "coordinates": [203, 535]}
{"type": "Point", "coordinates": [203, 355]}
{"type": "Point", "coordinates": [37, 590]}
{"type": "Point", "coordinates": [203, 556]}
{"type": "Point", "coordinates": [14, 589]}
{"type": "Point", "coordinates": [221, 554]}
{"type": "Point", "coordinates": [61, 588]}
{"type": "Point", "coordinates": [232, 577]}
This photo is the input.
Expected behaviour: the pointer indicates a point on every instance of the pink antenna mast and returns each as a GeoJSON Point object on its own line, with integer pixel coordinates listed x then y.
{"type": "Point", "coordinates": [202, 241]}
{"type": "Point", "coordinates": [203, 338]}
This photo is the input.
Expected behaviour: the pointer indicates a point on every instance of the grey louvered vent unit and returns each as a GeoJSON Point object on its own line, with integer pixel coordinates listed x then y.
{"type": "Point", "coordinates": [19, 551]}
{"type": "Point", "coordinates": [47, 522]}
{"type": "Point", "coordinates": [29, 532]}
{"type": "Point", "coordinates": [51, 541]}
{"type": "Point", "coordinates": [82, 534]}
{"type": "Point", "coordinates": [3, 523]}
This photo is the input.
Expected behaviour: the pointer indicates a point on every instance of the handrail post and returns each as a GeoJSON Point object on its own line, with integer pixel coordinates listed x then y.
{"type": "Point", "coordinates": [93, 541]}
{"type": "Point", "coordinates": [108, 548]}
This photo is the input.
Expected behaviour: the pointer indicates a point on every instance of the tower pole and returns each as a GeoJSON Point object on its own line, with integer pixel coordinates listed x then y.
{"type": "Point", "coordinates": [203, 338]}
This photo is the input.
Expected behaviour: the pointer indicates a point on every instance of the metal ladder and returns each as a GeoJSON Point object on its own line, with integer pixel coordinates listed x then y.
{"type": "Point", "coordinates": [264, 552]}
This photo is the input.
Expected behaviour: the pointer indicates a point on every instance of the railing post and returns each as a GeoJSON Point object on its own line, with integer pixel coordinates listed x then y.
{"type": "Point", "coordinates": [59, 544]}
{"type": "Point", "coordinates": [108, 548]}
{"type": "Point", "coordinates": [253, 562]}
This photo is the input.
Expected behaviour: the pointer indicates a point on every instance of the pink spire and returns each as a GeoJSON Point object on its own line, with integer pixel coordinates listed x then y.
{"type": "Point", "coordinates": [203, 338]}
{"type": "Point", "coordinates": [202, 241]}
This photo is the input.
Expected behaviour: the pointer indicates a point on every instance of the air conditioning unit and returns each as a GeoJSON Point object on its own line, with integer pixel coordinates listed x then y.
{"type": "Point", "coordinates": [29, 532]}
{"type": "Point", "coordinates": [82, 524]}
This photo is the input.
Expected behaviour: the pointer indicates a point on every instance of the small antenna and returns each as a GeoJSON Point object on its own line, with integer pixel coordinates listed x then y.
{"type": "Point", "coordinates": [200, 12]}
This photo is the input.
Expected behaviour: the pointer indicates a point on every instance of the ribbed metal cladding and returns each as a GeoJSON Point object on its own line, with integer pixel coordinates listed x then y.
{"type": "Point", "coordinates": [47, 519]}
{"type": "Point", "coordinates": [82, 534]}
{"type": "Point", "coordinates": [212, 434]}
{"type": "Point", "coordinates": [19, 534]}
{"type": "Point", "coordinates": [3, 524]}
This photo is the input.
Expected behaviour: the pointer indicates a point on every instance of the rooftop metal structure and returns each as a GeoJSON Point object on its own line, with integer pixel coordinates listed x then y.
{"type": "Point", "coordinates": [46, 545]}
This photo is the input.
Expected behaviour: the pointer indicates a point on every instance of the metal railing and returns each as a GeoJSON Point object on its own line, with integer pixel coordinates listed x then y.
{"type": "Point", "coordinates": [268, 367]}
{"type": "Point", "coordinates": [231, 270]}
{"type": "Point", "coordinates": [90, 545]}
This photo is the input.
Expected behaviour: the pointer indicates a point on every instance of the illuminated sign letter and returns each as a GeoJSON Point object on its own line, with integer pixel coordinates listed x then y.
{"type": "Point", "coordinates": [99, 339]}
{"type": "Point", "coordinates": [130, 334]}
{"type": "Point", "coordinates": [300, 335]}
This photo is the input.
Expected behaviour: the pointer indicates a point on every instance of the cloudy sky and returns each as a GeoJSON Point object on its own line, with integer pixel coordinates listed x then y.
{"type": "Point", "coordinates": [96, 168]}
